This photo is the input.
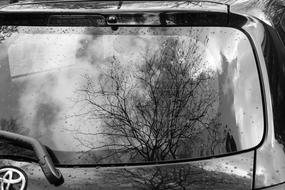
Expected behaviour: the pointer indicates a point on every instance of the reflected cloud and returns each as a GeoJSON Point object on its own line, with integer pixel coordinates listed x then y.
{"type": "Point", "coordinates": [135, 94]}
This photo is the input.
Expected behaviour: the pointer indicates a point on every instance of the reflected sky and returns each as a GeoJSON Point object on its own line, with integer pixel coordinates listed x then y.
{"type": "Point", "coordinates": [52, 77]}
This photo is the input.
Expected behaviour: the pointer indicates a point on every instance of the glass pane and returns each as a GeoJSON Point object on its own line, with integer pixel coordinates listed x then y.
{"type": "Point", "coordinates": [137, 94]}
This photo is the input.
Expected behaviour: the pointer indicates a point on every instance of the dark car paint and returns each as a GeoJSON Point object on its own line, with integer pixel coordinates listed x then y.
{"type": "Point", "coordinates": [272, 150]}
{"type": "Point", "coordinates": [232, 172]}
{"type": "Point", "coordinates": [270, 157]}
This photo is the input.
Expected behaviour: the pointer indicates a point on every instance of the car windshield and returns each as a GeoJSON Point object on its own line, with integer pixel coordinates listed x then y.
{"type": "Point", "coordinates": [135, 94]}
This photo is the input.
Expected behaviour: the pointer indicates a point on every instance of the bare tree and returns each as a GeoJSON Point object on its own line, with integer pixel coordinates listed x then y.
{"type": "Point", "coordinates": [158, 112]}
{"type": "Point", "coordinates": [187, 176]}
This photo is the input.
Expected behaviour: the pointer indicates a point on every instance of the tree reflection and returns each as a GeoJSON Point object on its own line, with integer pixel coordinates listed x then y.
{"type": "Point", "coordinates": [174, 177]}
{"type": "Point", "coordinates": [6, 32]}
{"type": "Point", "coordinates": [166, 109]}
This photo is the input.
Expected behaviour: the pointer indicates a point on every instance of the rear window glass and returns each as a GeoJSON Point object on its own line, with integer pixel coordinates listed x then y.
{"type": "Point", "coordinates": [137, 94]}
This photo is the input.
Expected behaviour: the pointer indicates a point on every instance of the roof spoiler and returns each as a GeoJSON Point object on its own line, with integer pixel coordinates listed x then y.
{"type": "Point", "coordinates": [126, 13]}
{"type": "Point", "coordinates": [146, 6]}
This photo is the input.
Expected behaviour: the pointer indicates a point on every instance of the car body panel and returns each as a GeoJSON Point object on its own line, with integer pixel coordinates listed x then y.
{"type": "Point", "coordinates": [208, 173]}
{"type": "Point", "coordinates": [270, 157]}
{"type": "Point", "coordinates": [235, 172]}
